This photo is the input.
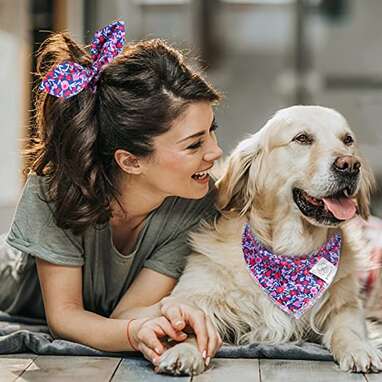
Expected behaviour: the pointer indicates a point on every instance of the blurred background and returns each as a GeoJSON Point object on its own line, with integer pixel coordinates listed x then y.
{"type": "Point", "coordinates": [262, 54]}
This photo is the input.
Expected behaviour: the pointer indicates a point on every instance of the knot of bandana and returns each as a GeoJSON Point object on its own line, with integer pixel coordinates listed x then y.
{"type": "Point", "coordinates": [293, 283]}
{"type": "Point", "coordinates": [69, 78]}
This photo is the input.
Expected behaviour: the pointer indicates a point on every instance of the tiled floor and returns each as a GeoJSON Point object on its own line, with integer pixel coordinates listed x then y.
{"type": "Point", "coordinates": [30, 367]}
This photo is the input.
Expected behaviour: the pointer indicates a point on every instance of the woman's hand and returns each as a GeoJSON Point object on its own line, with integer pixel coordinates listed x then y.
{"type": "Point", "coordinates": [145, 335]}
{"type": "Point", "coordinates": [182, 315]}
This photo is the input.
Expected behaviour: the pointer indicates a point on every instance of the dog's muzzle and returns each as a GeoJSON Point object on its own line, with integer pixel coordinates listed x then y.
{"type": "Point", "coordinates": [331, 209]}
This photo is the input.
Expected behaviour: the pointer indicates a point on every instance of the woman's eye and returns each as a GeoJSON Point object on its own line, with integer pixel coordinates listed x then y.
{"type": "Point", "coordinates": [304, 139]}
{"type": "Point", "coordinates": [195, 145]}
{"type": "Point", "coordinates": [348, 140]}
{"type": "Point", "coordinates": [198, 144]}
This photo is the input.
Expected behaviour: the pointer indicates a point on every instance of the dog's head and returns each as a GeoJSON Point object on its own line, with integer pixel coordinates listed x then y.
{"type": "Point", "coordinates": [305, 159]}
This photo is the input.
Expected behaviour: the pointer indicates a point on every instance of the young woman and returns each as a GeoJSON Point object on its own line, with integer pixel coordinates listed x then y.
{"type": "Point", "coordinates": [118, 176]}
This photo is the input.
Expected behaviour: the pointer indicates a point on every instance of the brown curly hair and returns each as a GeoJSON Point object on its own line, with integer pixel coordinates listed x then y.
{"type": "Point", "coordinates": [138, 95]}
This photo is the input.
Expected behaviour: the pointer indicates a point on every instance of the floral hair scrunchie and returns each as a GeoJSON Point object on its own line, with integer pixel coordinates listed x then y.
{"type": "Point", "coordinates": [69, 78]}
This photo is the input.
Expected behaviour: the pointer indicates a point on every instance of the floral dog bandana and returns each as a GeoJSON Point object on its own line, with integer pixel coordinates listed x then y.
{"type": "Point", "coordinates": [293, 283]}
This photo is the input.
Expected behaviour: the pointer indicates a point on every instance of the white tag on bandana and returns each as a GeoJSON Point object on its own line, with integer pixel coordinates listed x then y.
{"type": "Point", "coordinates": [324, 269]}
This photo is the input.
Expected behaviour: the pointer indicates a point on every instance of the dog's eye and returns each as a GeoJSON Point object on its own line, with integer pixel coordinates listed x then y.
{"type": "Point", "coordinates": [348, 140]}
{"type": "Point", "coordinates": [303, 139]}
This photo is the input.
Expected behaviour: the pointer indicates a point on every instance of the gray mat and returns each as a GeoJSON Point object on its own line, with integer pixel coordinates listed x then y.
{"type": "Point", "coordinates": [25, 335]}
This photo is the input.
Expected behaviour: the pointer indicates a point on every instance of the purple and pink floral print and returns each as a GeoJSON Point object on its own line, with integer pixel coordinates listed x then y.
{"type": "Point", "coordinates": [287, 280]}
{"type": "Point", "coordinates": [69, 78]}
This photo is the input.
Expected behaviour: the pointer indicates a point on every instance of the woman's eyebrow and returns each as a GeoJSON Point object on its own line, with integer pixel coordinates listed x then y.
{"type": "Point", "coordinates": [198, 134]}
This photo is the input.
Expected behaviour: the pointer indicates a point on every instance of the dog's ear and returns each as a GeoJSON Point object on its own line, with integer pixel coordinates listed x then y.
{"type": "Point", "coordinates": [367, 186]}
{"type": "Point", "coordinates": [235, 193]}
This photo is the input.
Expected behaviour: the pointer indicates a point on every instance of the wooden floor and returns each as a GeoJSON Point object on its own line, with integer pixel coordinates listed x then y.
{"type": "Point", "coordinates": [29, 367]}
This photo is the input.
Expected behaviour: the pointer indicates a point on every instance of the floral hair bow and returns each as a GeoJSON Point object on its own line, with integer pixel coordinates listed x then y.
{"type": "Point", "coordinates": [69, 78]}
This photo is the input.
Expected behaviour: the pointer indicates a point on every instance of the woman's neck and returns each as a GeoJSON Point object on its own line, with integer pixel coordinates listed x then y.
{"type": "Point", "coordinates": [130, 211]}
{"type": "Point", "coordinates": [135, 202]}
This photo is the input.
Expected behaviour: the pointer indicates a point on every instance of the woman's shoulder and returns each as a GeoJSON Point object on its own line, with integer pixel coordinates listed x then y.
{"type": "Point", "coordinates": [35, 186]}
{"type": "Point", "coordinates": [33, 200]}
{"type": "Point", "coordinates": [32, 189]}
{"type": "Point", "coordinates": [34, 230]}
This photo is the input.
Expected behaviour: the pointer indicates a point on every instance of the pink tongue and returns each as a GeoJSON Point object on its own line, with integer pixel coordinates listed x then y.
{"type": "Point", "coordinates": [342, 209]}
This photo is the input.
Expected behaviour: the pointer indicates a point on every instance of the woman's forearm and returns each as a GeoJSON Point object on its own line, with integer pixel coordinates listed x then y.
{"type": "Point", "coordinates": [138, 312]}
{"type": "Point", "coordinates": [91, 329]}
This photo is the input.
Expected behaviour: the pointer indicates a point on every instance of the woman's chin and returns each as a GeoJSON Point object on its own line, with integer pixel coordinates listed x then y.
{"type": "Point", "coordinates": [196, 190]}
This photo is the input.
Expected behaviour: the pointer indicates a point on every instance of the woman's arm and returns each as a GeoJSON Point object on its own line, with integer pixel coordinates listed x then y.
{"type": "Point", "coordinates": [146, 298]}
{"type": "Point", "coordinates": [61, 288]}
{"type": "Point", "coordinates": [143, 296]}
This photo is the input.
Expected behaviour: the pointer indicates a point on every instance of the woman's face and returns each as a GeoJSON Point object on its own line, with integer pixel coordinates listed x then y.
{"type": "Point", "coordinates": [184, 154]}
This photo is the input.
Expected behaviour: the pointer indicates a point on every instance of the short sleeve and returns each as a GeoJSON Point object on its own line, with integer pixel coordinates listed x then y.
{"type": "Point", "coordinates": [178, 218]}
{"type": "Point", "coordinates": [170, 259]}
{"type": "Point", "coordinates": [33, 230]}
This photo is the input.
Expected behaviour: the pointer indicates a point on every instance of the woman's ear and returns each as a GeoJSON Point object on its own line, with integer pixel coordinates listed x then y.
{"type": "Point", "coordinates": [367, 186]}
{"type": "Point", "coordinates": [128, 162]}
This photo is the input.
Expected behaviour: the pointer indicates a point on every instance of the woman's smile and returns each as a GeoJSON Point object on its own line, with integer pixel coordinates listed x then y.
{"type": "Point", "coordinates": [203, 176]}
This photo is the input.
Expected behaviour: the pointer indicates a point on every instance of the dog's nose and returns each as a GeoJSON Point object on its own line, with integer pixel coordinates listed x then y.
{"type": "Point", "coordinates": [347, 165]}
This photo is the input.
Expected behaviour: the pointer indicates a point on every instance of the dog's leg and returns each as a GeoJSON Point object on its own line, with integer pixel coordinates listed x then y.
{"type": "Point", "coordinates": [182, 359]}
{"type": "Point", "coordinates": [347, 339]}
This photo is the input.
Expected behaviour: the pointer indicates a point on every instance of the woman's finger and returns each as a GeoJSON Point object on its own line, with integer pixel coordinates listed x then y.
{"type": "Point", "coordinates": [158, 327]}
{"type": "Point", "coordinates": [174, 314]}
{"type": "Point", "coordinates": [149, 333]}
{"type": "Point", "coordinates": [214, 341]}
{"type": "Point", "coordinates": [167, 329]}
{"type": "Point", "coordinates": [150, 340]}
{"type": "Point", "coordinates": [196, 319]}
{"type": "Point", "coordinates": [149, 354]}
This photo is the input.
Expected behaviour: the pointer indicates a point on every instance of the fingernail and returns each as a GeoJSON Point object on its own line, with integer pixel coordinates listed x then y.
{"type": "Point", "coordinates": [157, 350]}
{"type": "Point", "coordinates": [208, 361]}
{"type": "Point", "coordinates": [204, 354]}
{"type": "Point", "coordinates": [183, 335]}
{"type": "Point", "coordinates": [178, 323]}
{"type": "Point", "coordinates": [155, 361]}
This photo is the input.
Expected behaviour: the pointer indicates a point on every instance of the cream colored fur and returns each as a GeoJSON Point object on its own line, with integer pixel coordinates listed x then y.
{"type": "Point", "coordinates": [256, 187]}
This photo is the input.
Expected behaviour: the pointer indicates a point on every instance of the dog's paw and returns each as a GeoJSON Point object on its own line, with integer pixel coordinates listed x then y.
{"type": "Point", "coordinates": [362, 358]}
{"type": "Point", "coordinates": [182, 359]}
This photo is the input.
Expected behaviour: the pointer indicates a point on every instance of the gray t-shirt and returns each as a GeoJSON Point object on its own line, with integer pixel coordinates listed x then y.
{"type": "Point", "coordinates": [107, 274]}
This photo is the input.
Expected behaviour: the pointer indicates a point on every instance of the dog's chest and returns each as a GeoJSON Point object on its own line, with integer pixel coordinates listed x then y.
{"type": "Point", "coordinates": [266, 321]}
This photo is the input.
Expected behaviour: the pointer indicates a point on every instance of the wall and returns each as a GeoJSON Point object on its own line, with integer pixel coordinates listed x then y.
{"type": "Point", "coordinates": [14, 46]}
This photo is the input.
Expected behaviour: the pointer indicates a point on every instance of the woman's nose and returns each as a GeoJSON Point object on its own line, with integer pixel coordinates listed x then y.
{"type": "Point", "coordinates": [213, 153]}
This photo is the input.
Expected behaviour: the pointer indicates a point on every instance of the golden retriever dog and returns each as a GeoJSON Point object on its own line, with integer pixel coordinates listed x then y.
{"type": "Point", "coordinates": [288, 191]}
